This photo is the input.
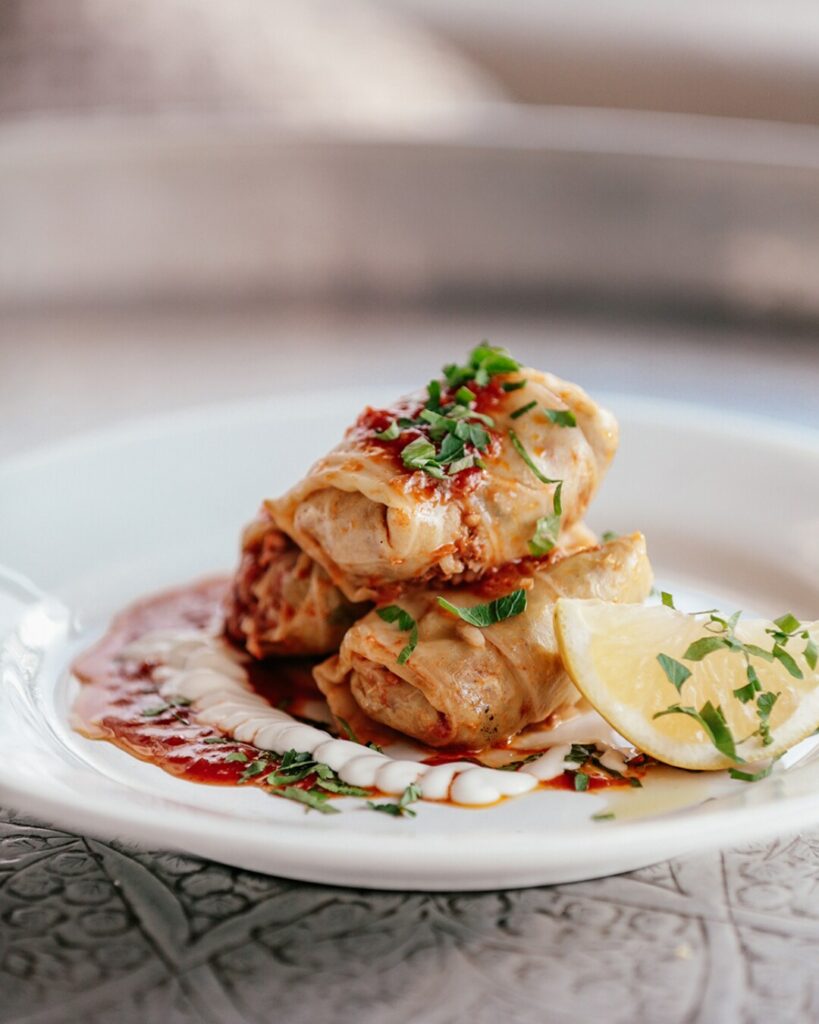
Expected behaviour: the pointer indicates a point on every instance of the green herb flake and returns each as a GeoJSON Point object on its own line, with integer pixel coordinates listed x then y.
{"type": "Point", "coordinates": [764, 706]}
{"type": "Point", "coordinates": [390, 433]}
{"type": "Point", "coordinates": [745, 693]}
{"type": "Point", "coordinates": [253, 769]}
{"type": "Point", "coordinates": [517, 444]}
{"type": "Point", "coordinates": [735, 773]}
{"type": "Point", "coordinates": [421, 454]}
{"type": "Point", "coordinates": [237, 755]}
{"type": "Point", "coordinates": [810, 652]}
{"type": "Point", "coordinates": [609, 535]}
{"type": "Point", "coordinates": [522, 410]}
{"type": "Point", "coordinates": [401, 808]}
{"type": "Point", "coordinates": [544, 539]}
{"type": "Point", "coordinates": [312, 800]}
{"type": "Point", "coordinates": [347, 728]}
{"type": "Point", "coordinates": [434, 395]}
{"type": "Point", "coordinates": [581, 782]}
{"type": "Point", "coordinates": [483, 615]}
{"type": "Point", "coordinates": [676, 673]}
{"type": "Point", "coordinates": [787, 661]}
{"type": "Point", "coordinates": [464, 396]}
{"type": "Point", "coordinates": [713, 722]}
{"type": "Point", "coordinates": [342, 788]}
{"type": "Point", "coordinates": [788, 623]}
{"type": "Point", "coordinates": [606, 816]}
{"type": "Point", "coordinates": [561, 417]}
{"type": "Point", "coordinates": [217, 739]}
{"type": "Point", "coordinates": [513, 385]}
{"type": "Point", "coordinates": [154, 712]}
{"type": "Point", "coordinates": [706, 645]}
{"type": "Point", "coordinates": [406, 623]}
{"type": "Point", "coordinates": [667, 599]}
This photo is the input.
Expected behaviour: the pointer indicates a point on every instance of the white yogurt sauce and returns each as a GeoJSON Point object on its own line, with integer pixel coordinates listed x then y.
{"type": "Point", "coordinates": [202, 669]}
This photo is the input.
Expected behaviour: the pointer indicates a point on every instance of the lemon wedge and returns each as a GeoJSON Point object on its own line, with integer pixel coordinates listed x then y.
{"type": "Point", "coordinates": [700, 692]}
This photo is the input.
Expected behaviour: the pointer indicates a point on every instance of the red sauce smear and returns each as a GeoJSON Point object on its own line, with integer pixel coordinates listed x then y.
{"type": "Point", "coordinates": [119, 702]}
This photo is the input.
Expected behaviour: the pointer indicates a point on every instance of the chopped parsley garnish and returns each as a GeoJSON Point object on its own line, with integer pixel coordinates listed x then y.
{"type": "Point", "coordinates": [218, 739]}
{"type": "Point", "coordinates": [513, 385]}
{"type": "Point", "coordinates": [763, 773]}
{"type": "Point", "coordinates": [485, 362]}
{"type": "Point", "coordinates": [676, 673]}
{"type": "Point", "coordinates": [463, 396]}
{"type": "Point", "coordinates": [713, 722]}
{"type": "Point", "coordinates": [348, 729]}
{"type": "Point", "coordinates": [547, 528]}
{"type": "Point", "coordinates": [517, 444]}
{"type": "Point", "coordinates": [390, 433]}
{"type": "Point", "coordinates": [609, 535]}
{"type": "Point", "coordinates": [581, 781]}
{"type": "Point", "coordinates": [562, 417]}
{"type": "Point", "coordinates": [253, 769]}
{"type": "Point", "coordinates": [522, 410]}
{"type": "Point", "coordinates": [483, 615]}
{"type": "Point", "coordinates": [607, 816]}
{"type": "Point", "coordinates": [237, 755]}
{"type": "Point", "coordinates": [342, 788]}
{"type": "Point", "coordinates": [401, 808]}
{"type": "Point", "coordinates": [667, 599]}
{"type": "Point", "coordinates": [313, 801]}
{"type": "Point", "coordinates": [421, 454]}
{"type": "Point", "coordinates": [406, 623]}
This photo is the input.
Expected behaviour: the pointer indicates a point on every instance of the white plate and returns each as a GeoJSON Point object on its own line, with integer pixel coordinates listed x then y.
{"type": "Point", "coordinates": [731, 511]}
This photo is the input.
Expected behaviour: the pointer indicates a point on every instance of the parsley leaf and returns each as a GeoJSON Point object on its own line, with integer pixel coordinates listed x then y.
{"type": "Point", "coordinates": [406, 623]}
{"type": "Point", "coordinates": [313, 801]}
{"type": "Point", "coordinates": [522, 410]}
{"type": "Point", "coordinates": [764, 706]}
{"type": "Point", "coordinates": [581, 781]}
{"type": "Point", "coordinates": [517, 444]}
{"type": "Point", "coordinates": [237, 755]}
{"type": "Point", "coordinates": [348, 729]}
{"type": "Point", "coordinates": [735, 773]}
{"type": "Point", "coordinates": [706, 645]}
{"type": "Point", "coordinates": [514, 385]}
{"type": "Point", "coordinates": [609, 535]}
{"type": "Point", "coordinates": [421, 454]}
{"type": "Point", "coordinates": [484, 362]}
{"type": "Point", "coordinates": [401, 808]}
{"type": "Point", "coordinates": [667, 599]}
{"type": "Point", "coordinates": [483, 615]}
{"type": "Point", "coordinates": [342, 788]}
{"type": "Point", "coordinates": [810, 652]}
{"type": "Point", "coordinates": [676, 673]}
{"type": "Point", "coordinates": [785, 659]}
{"type": "Point", "coordinates": [544, 539]}
{"type": "Point", "coordinates": [713, 721]}
{"type": "Point", "coordinates": [390, 433]}
{"type": "Point", "coordinates": [562, 417]}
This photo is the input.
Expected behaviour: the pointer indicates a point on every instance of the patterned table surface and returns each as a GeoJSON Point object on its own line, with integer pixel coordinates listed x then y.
{"type": "Point", "coordinates": [98, 931]}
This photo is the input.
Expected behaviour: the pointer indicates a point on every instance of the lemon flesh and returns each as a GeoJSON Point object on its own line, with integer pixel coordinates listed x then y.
{"type": "Point", "coordinates": [610, 651]}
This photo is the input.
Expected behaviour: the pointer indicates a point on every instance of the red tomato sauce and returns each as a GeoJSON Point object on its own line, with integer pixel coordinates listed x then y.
{"type": "Point", "coordinates": [119, 702]}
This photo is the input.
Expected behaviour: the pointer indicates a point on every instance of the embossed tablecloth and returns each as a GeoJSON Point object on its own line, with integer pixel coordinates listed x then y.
{"type": "Point", "coordinates": [100, 932]}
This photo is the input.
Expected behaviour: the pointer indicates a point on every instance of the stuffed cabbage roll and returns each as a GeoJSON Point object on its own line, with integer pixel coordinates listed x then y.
{"type": "Point", "coordinates": [484, 468]}
{"type": "Point", "coordinates": [422, 670]}
{"type": "Point", "coordinates": [281, 601]}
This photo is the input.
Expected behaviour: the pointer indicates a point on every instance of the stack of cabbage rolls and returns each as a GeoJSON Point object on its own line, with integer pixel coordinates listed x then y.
{"type": "Point", "coordinates": [426, 551]}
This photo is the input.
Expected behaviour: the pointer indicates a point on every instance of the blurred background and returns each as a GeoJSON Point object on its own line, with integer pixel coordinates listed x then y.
{"type": "Point", "coordinates": [203, 202]}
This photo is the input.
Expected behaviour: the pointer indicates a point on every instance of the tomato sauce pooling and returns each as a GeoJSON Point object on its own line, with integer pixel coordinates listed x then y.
{"type": "Point", "coordinates": [119, 702]}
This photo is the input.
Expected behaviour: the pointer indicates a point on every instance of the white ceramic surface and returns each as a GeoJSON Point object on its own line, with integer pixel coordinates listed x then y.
{"type": "Point", "coordinates": [729, 506]}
